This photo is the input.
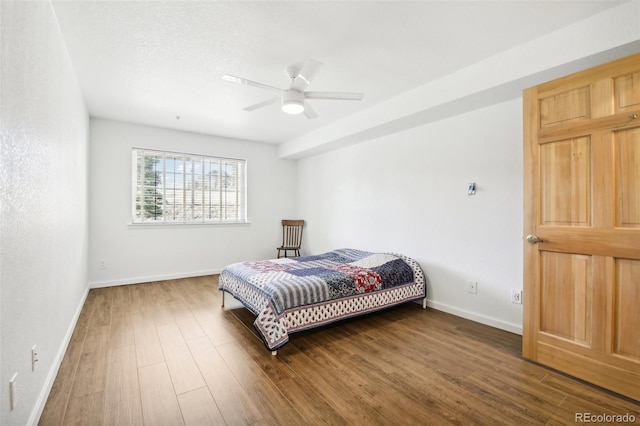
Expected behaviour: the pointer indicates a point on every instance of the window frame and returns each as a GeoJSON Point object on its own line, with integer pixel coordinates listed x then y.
{"type": "Point", "coordinates": [187, 181]}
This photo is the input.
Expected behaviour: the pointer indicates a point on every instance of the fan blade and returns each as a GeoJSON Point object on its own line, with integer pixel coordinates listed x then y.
{"type": "Point", "coordinates": [306, 74]}
{"type": "Point", "coordinates": [309, 112]}
{"type": "Point", "coordinates": [261, 104]}
{"type": "Point", "coordinates": [246, 82]}
{"type": "Point", "coordinates": [343, 96]}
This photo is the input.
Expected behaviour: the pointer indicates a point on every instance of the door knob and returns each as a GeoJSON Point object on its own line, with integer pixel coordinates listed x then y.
{"type": "Point", "coordinates": [532, 239]}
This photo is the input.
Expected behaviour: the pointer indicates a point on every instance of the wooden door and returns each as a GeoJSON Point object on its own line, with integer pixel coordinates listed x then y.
{"type": "Point", "coordinates": [582, 199]}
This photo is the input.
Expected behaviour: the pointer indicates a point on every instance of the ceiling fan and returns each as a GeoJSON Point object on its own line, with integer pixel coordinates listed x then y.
{"type": "Point", "coordinates": [293, 98]}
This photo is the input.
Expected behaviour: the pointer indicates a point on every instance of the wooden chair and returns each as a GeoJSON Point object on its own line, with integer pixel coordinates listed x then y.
{"type": "Point", "coordinates": [291, 237]}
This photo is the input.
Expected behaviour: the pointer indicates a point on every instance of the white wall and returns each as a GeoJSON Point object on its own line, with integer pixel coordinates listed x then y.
{"type": "Point", "coordinates": [147, 253]}
{"type": "Point", "coordinates": [43, 199]}
{"type": "Point", "coordinates": [407, 193]}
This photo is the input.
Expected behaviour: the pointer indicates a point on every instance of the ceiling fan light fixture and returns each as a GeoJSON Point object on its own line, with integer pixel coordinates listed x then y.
{"type": "Point", "coordinates": [293, 107]}
{"type": "Point", "coordinates": [292, 101]}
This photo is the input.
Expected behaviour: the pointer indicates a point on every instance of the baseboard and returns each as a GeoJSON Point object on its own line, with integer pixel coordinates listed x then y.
{"type": "Point", "coordinates": [55, 367]}
{"type": "Point", "coordinates": [151, 278]}
{"type": "Point", "coordinates": [473, 316]}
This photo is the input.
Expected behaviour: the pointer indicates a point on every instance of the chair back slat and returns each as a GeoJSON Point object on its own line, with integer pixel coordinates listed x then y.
{"type": "Point", "coordinates": [291, 235]}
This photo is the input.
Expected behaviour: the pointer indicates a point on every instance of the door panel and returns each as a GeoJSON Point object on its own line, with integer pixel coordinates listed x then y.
{"type": "Point", "coordinates": [565, 107]}
{"type": "Point", "coordinates": [582, 201]}
{"type": "Point", "coordinates": [626, 312]}
{"type": "Point", "coordinates": [565, 296]}
{"type": "Point", "coordinates": [627, 158]}
{"type": "Point", "coordinates": [626, 91]}
{"type": "Point", "coordinates": [566, 182]}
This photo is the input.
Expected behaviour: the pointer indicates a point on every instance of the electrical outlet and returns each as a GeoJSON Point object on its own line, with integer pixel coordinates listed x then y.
{"type": "Point", "coordinates": [102, 264]}
{"type": "Point", "coordinates": [516, 296]}
{"type": "Point", "coordinates": [34, 357]}
{"type": "Point", "coordinates": [473, 287]}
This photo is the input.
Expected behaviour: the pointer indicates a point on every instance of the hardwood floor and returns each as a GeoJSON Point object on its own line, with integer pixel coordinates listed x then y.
{"type": "Point", "coordinates": [166, 353]}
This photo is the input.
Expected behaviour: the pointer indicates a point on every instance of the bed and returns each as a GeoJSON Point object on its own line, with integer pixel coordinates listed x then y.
{"type": "Point", "coordinates": [294, 294]}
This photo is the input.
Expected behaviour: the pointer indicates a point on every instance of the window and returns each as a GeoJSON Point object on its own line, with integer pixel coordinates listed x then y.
{"type": "Point", "coordinates": [171, 187]}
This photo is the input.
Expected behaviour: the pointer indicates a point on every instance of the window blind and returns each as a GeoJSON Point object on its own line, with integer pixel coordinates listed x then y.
{"type": "Point", "coordinates": [170, 187]}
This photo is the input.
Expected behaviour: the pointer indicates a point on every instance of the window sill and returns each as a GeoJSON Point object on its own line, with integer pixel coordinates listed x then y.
{"type": "Point", "coordinates": [132, 225]}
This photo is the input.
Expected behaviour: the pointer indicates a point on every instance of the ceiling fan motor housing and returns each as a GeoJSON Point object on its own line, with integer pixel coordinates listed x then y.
{"type": "Point", "coordinates": [292, 101]}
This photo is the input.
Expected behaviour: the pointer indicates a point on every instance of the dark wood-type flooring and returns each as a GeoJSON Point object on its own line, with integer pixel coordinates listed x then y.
{"type": "Point", "coordinates": [166, 353]}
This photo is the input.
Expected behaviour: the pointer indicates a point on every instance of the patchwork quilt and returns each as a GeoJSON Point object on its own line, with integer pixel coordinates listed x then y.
{"type": "Point", "coordinates": [292, 294]}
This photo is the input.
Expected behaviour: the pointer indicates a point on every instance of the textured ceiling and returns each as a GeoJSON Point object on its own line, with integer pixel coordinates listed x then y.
{"type": "Point", "coordinates": [149, 62]}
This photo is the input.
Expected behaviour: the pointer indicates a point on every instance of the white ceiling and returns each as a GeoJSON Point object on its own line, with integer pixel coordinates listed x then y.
{"type": "Point", "coordinates": [151, 61]}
